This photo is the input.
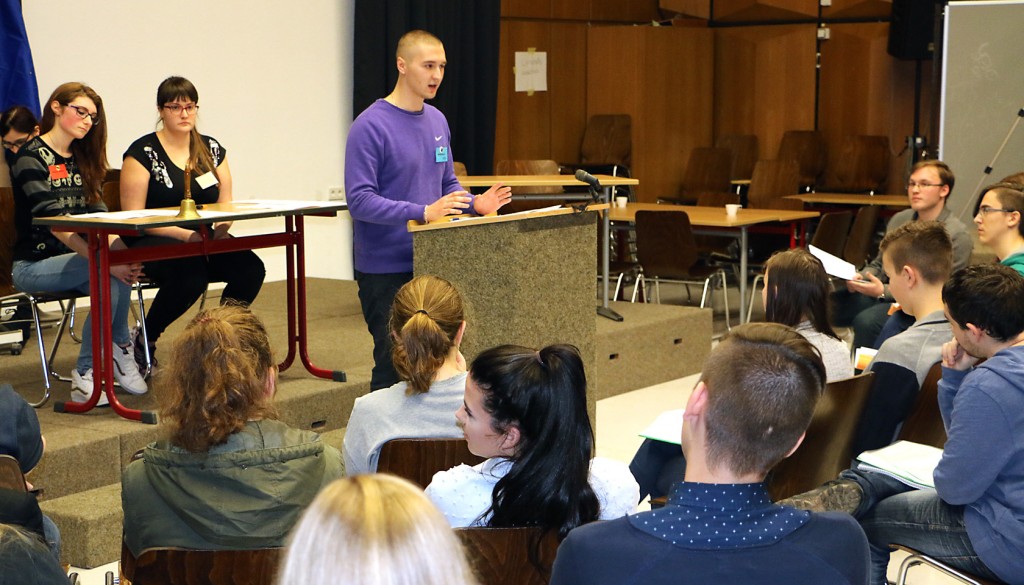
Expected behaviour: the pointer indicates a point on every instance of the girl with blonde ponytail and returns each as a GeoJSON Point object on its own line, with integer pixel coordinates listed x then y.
{"type": "Point", "coordinates": [427, 325]}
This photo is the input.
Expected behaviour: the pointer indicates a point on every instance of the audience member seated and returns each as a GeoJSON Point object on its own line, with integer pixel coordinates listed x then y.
{"type": "Point", "coordinates": [917, 258]}
{"type": "Point", "coordinates": [20, 438]}
{"type": "Point", "coordinates": [227, 476]}
{"type": "Point", "coordinates": [427, 325]}
{"type": "Point", "coordinates": [25, 560]}
{"type": "Point", "coordinates": [999, 223]}
{"type": "Point", "coordinates": [971, 520]}
{"type": "Point", "coordinates": [750, 410]}
{"type": "Point", "coordinates": [526, 411]}
{"type": "Point", "coordinates": [374, 530]}
{"type": "Point", "coordinates": [865, 304]}
{"type": "Point", "coordinates": [796, 294]}
{"type": "Point", "coordinates": [18, 125]}
{"type": "Point", "coordinates": [153, 174]}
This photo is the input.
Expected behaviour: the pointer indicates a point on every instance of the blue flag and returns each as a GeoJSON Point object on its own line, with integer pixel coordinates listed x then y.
{"type": "Point", "coordinates": [18, 85]}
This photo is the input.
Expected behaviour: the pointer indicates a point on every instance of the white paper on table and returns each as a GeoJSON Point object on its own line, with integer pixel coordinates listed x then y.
{"type": "Point", "coordinates": [667, 428]}
{"type": "Point", "coordinates": [912, 463]}
{"type": "Point", "coordinates": [834, 265]}
{"type": "Point", "coordinates": [276, 204]}
{"type": "Point", "coordinates": [132, 214]}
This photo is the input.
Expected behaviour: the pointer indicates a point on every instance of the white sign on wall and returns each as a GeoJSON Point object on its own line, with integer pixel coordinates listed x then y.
{"type": "Point", "coordinates": [531, 71]}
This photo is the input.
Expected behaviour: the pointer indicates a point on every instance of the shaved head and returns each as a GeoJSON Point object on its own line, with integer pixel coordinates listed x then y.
{"type": "Point", "coordinates": [411, 41]}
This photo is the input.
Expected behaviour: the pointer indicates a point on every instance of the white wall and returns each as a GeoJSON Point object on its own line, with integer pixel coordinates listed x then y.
{"type": "Point", "coordinates": [274, 81]}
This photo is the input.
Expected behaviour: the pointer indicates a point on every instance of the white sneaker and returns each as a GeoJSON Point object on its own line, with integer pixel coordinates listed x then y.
{"type": "Point", "coordinates": [127, 371]}
{"type": "Point", "coordinates": [81, 388]}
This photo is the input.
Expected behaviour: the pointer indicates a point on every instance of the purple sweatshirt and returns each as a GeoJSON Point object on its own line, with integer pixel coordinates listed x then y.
{"type": "Point", "coordinates": [394, 168]}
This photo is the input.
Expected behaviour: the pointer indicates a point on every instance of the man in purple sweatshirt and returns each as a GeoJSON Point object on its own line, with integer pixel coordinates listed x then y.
{"type": "Point", "coordinates": [398, 167]}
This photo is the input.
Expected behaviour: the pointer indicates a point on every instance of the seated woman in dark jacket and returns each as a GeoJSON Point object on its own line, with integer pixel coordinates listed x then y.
{"type": "Point", "coordinates": [227, 476]}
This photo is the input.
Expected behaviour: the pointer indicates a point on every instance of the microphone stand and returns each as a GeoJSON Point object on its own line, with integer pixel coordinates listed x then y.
{"type": "Point", "coordinates": [598, 195]}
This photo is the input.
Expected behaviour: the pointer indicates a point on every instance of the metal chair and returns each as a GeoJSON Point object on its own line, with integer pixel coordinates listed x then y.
{"type": "Point", "coordinates": [417, 460]}
{"type": "Point", "coordinates": [917, 558]}
{"type": "Point", "coordinates": [667, 250]}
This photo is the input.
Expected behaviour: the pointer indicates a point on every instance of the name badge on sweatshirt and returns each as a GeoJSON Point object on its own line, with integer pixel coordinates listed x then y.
{"type": "Point", "coordinates": [61, 172]}
{"type": "Point", "coordinates": [206, 180]}
{"type": "Point", "coordinates": [441, 154]}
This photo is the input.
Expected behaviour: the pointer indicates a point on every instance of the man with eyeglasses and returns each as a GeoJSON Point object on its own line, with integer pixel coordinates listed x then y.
{"type": "Point", "coordinates": [865, 303]}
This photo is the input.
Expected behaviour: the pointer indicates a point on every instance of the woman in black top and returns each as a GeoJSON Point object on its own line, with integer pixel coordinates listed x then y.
{"type": "Point", "coordinates": [153, 175]}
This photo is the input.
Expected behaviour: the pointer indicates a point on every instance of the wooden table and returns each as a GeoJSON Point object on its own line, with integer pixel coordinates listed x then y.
{"type": "Point", "coordinates": [852, 199]}
{"type": "Point", "coordinates": [716, 222]}
{"type": "Point", "coordinates": [607, 182]}
{"type": "Point", "coordinates": [97, 228]}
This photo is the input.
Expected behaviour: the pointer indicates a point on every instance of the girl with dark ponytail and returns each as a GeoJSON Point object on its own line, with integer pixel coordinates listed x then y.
{"type": "Point", "coordinates": [526, 411]}
{"type": "Point", "coordinates": [427, 325]}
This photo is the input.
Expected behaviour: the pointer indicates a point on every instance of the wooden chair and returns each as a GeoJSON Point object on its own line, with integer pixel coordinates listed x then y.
{"type": "Point", "coordinates": [501, 556]}
{"type": "Point", "coordinates": [924, 423]}
{"type": "Point", "coordinates": [667, 250]}
{"type": "Point", "coordinates": [11, 477]}
{"type": "Point", "coordinates": [417, 460]}
{"type": "Point", "coordinates": [771, 182]}
{"type": "Point", "coordinates": [528, 167]}
{"type": "Point", "coordinates": [707, 171]}
{"type": "Point", "coordinates": [860, 166]}
{"type": "Point", "coordinates": [917, 558]}
{"type": "Point", "coordinates": [744, 150]}
{"type": "Point", "coordinates": [460, 169]}
{"type": "Point", "coordinates": [807, 148]}
{"type": "Point", "coordinates": [607, 141]}
{"type": "Point", "coordinates": [172, 566]}
{"type": "Point", "coordinates": [858, 249]}
{"type": "Point", "coordinates": [827, 448]}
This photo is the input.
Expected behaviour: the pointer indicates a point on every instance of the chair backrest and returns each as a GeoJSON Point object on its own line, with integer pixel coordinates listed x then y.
{"type": "Point", "coordinates": [807, 147]}
{"type": "Point", "coordinates": [112, 194]}
{"type": "Point", "coordinates": [858, 247]}
{"type": "Point", "coordinates": [8, 235]}
{"type": "Point", "coordinates": [11, 477]}
{"type": "Point", "coordinates": [707, 170]}
{"type": "Point", "coordinates": [417, 460]}
{"type": "Point", "coordinates": [744, 149]}
{"type": "Point", "coordinates": [501, 556]}
{"type": "Point", "coordinates": [708, 199]}
{"type": "Point", "coordinates": [832, 231]}
{"type": "Point", "coordinates": [529, 167]}
{"type": "Point", "coordinates": [860, 166]}
{"type": "Point", "coordinates": [828, 446]}
{"type": "Point", "coordinates": [773, 180]}
{"type": "Point", "coordinates": [607, 139]}
{"type": "Point", "coordinates": [168, 566]}
{"type": "Point", "coordinates": [665, 245]}
{"type": "Point", "coordinates": [924, 423]}
{"type": "Point", "coordinates": [460, 169]}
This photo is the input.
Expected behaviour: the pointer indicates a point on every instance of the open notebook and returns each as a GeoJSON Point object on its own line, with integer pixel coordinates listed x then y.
{"type": "Point", "coordinates": [911, 463]}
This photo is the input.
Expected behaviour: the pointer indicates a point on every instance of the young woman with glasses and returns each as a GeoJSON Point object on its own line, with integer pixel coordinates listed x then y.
{"type": "Point", "coordinates": [61, 173]}
{"type": "Point", "coordinates": [153, 175]}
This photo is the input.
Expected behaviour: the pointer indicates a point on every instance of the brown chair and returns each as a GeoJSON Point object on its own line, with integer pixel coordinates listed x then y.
{"type": "Point", "coordinates": [417, 460]}
{"type": "Point", "coordinates": [859, 248]}
{"type": "Point", "coordinates": [460, 169]}
{"type": "Point", "coordinates": [501, 556]}
{"type": "Point", "coordinates": [860, 166]}
{"type": "Point", "coordinates": [707, 171]}
{"type": "Point", "coordinates": [11, 477]}
{"type": "Point", "coordinates": [744, 150]}
{"type": "Point", "coordinates": [173, 566]}
{"type": "Point", "coordinates": [529, 167]}
{"type": "Point", "coordinates": [607, 141]}
{"type": "Point", "coordinates": [772, 181]}
{"type": "Point", "coordinates": [827, 447]}
{"type": "Point", "coordinates": [917, 558]}
{"type": "Point", "coordinates": [807, 148]}
{"type": "Point", "coordinates": [924, 423]}
{"type": "Point", "coordinates": [667, 250]}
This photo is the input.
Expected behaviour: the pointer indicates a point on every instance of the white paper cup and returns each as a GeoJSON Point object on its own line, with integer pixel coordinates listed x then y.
{"type": "Point", "coordinates": [620, 201]}
{"type": "Point", "coordinates": [732, 209]}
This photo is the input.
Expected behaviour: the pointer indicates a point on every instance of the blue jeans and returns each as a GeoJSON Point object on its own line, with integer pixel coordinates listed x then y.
{"type": "Point", "coordinates": [893, 513]}
{"type": "Point", "coordinates": [70, 272]}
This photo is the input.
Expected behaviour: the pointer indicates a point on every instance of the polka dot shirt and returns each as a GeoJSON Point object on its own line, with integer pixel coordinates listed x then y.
{"type": "Point", "coordinates": [708, 516]}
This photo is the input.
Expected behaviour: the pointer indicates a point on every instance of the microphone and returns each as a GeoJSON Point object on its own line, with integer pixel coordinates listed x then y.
{"type": "Point", "coordinates": [585, 177]}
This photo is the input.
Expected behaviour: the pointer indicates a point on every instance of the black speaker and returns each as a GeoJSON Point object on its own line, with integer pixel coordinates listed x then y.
{"type": "Point", "coordinates": [912, 29]}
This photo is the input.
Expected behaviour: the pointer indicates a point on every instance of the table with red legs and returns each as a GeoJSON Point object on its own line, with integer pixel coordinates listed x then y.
{"type": "Point", "coordinates": [98, 227]}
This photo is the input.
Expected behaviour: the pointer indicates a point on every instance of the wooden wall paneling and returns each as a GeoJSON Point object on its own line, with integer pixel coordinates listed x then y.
{"type": "Point", "coordinates": [865, 91]}
{"type": "Point", "coordinates": [662, 77]}
{"type": "Point", "coordinates": [567, 85]}
{"type": "Point", "coordinates": [692, 8]}
{"type": "Point", "coordinates": [570, 9]}
{"type": "Point", "coordinates": [502, 129]}
{"type": "Point", "coordinates": [529, 115]}
{"type": "Point", "coordinates": [526, 8]}
{"type": "Point", "coordinates": [858, 9]}
{"type": "Point", "coordinates": [764, 82]}
{"type": "Point", "coordinates": [762, 10]}
{"type": "Point", "coordinates": [624, 10]}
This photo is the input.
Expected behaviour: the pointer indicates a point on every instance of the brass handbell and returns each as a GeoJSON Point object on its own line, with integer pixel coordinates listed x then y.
{"type": "Point", "coordinates": [188, 205]}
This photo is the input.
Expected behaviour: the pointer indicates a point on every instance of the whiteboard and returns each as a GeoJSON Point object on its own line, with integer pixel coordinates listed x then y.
{"type": "Point", "coordinates": [982, 95]}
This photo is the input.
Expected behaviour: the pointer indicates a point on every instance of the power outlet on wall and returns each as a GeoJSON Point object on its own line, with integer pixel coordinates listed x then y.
{"type": "Point", "coordinates": [335, 193]}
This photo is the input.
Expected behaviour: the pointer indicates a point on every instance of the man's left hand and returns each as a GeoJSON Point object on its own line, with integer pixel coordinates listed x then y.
{"type": "Point", "coordinates": [492, 199]}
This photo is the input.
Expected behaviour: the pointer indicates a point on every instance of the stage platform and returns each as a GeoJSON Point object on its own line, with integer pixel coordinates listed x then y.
{"type": "Point", "coordinates": [81, 469]}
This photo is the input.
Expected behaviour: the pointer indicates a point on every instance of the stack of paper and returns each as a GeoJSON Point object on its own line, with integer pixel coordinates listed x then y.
{"type": "Point", "coordinates": [834, 265]}
{"type": "Point", "coordinates": [911, 463]}
{"type": "Point", "coordinates": [668, 427]}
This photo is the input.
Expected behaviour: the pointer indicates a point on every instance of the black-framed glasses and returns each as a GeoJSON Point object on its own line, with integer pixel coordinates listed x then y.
{"type": "Point", "coordinates": [84, 113]}
{"type": "Point", "coordinates": [912, 184]}
{"type": "Point", "coordinates": [17, 143]}
{"type": "Point", "coordinates": [176, 109]}
{"type": "Point", "coordinates": [985, 210]}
